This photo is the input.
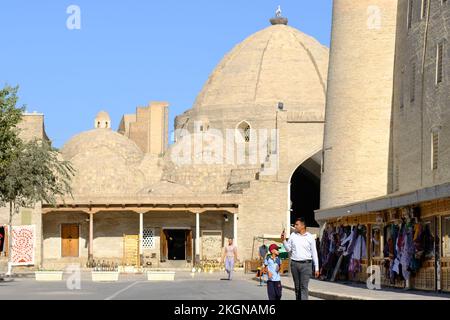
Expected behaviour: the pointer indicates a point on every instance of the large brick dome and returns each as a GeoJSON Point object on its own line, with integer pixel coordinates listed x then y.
{"type": "Point", "coordinates": [106, 163]}
{"type": "Point", "coordinates": [279, 63]}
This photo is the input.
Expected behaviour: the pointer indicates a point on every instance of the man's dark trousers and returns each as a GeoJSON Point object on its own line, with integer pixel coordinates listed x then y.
{"type": "Point", "coordinates": [301, 272]}
{"type": "Point", "coordinates": [274, 290]}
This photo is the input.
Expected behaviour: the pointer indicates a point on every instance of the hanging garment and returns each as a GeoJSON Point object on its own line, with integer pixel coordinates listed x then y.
{"type": "Point", "coordinates": [428, 242]}
{"type": "Point", "coordinates": [333, 256]}
{"type": "Point", "coordinates": [335, 242]}
{"type": "Point", "coordinates": [418, 243]}
{"type": "Point", "coordinates": [415, 263]}
{"type": "Point", "coordinates": [387, 268]}
{"type": "Point", "coordinates": [325, 245]}
{"type": "Point", "coordinates": [352, 245]}
{"type": "Point", "coordinates": [395, 235]}
{"type": "Point", "coordinates": [331, 241]}
{"type": "Point", "coordinates": [391, 246]}
{"type": "Point", "coordinates": [398, 246]}
{"type": "Point", "coordinates": [387, 238]}
{"type": "Point", "coordinates": [2, 238]}
{"type": "Point", "coordinates": [347, 239]}
{"type": "Point", "coordinates": [263, 251]}
{"type": "Point", "coordinates": [343, 270]}
{"type": "Point", "coordinates": [351, 240]}
{"type": "Point", "coordinates": [328, 253]}
{"type": "Point", "coordinates": [417, 231]}
{"type": "Point", "coordinates": [407, 253]}
{"type": "Point", "coordinates": [359, 253]}
{"type": "Point", "coordinates": [405, 250]}
{"type": "Point", "coordinates": [375, 243]}
{"type": "Point", "coordinates": [341, 233]}
{"type": "Point", "coordinates": [394, 230]}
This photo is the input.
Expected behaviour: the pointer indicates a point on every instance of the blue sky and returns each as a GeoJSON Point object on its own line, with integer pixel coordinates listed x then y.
{"type": "Point", "coordinates": [129, 53]}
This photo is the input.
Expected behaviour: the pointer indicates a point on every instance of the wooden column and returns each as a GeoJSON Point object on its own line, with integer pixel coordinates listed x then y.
{"type": "Point", "coordinates": [91, 236]}
{"type": "Point", "coordinates": [141, 237]}
{"type": "Point", "coordinates": [235, 229]}
{"type": "Point", "coordinates": [197, 237]}
{"type": "Point", "coordinates": [437, 252]}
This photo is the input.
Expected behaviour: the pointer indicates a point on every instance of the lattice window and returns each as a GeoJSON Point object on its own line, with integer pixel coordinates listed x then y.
{"type": "Point", "coordinates": [413, 82]}
{"type": "Point", "coordinates": [247, 134]}
{"type": "Point", "coordinates": [439, 63]}
{"type": "Point", "coordinates": [244, 131]}
{"type": "Point", "coordinates": [148, 240]}
{"type": "Point", "coordinates": [397, 176]}
{"type": "Point", "coordinates": [434, 150]}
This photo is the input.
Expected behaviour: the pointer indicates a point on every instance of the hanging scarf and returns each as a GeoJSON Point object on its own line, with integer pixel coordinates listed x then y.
{"type": "Point", "coordinates": [359, 253]}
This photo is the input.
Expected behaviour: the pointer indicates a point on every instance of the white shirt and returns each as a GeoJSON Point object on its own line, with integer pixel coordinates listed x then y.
{"type": "Point", "coordinates": [230, 251]}
{"type": "Point", "coordinates": [302, 247]}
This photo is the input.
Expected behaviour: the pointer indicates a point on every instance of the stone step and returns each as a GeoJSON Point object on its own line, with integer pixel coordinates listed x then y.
{"type": "Point", "coordinates": [240, 179]}
{"type": "Point", "coordinates": [238, 187]}
{"type": "Point", "coordinates": [243, 175]}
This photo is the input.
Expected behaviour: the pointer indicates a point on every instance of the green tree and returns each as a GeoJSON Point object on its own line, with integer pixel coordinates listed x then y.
{"type": "Point", "coordinates": [10, 117]}
{"type": "Point", "coordinates": [30, 172]}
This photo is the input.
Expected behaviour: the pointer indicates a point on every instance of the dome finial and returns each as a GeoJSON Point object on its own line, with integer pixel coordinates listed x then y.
{"type": "Point", "coordinates": [102, 121]}
{"type": "Point", "coordinates": [278, 12]}
{"type": "Point", "coordinates": [278, 19]}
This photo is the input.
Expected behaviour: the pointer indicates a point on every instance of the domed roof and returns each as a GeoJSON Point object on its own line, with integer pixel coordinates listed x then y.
{"type": "Point", "coordinates": [106, 163]}
{"type": "Point", "coordinates": [277, 64]}
{"type": "Point", "coordinates": [105, 173]}
{"type": "Point", "coordinates": [103, 115]}
{"type": "Point", "coordinates": [102, 121]}
{"type": "Point", "coordinates": [91, 141]}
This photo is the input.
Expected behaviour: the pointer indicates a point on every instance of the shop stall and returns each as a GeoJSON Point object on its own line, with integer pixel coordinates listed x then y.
{"type": "Point", "coordinates": [261, 249]}
{"type": "Point", "coordinates": [411, 247]}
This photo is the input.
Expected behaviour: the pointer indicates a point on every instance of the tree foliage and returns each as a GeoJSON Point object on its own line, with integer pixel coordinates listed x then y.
{"type": "Point", "coordinates": [10, 117]}
{"type": "Point", "coordinates": [36, 174]}
{"type": "Point", "coordinates": [30, 172]}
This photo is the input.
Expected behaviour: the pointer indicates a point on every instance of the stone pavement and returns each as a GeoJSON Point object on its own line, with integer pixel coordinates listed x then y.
{"type": "Point", "coordinates": [318, 289]}
{"type": "Point", "coordinates": [203, 286]}
{"type": "Point", "coordinates": [346, 291]}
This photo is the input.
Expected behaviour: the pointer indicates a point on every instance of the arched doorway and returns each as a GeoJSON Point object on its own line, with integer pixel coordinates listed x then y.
{"type": "Point", "coordinates": [305, 191]}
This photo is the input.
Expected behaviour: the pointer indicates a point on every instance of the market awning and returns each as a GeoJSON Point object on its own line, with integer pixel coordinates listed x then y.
{"type": "Point", "coordinates": [391, 201]}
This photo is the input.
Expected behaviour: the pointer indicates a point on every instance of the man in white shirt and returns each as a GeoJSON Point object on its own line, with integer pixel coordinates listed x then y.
{"type": "Point", "coordinates": [302, 246]}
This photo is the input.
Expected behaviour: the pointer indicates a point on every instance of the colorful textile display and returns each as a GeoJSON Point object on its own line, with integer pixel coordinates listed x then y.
{"type": "Point", "coordinates": [407, 244]}
{"type": "Point", "coordinates": [22, 245]}
{"type": "Point", "coordinates": [359, 251]}
{"type": "Point", "coordinates": [340, 241]}
{"type": "Point", "coordinates": [405, 250]}
{"type": "Point", "coordinates": [329, 251]}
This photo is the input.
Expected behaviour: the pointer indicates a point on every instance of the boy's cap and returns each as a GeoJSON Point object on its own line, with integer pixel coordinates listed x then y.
{"type": "Point", "coordinates": [272, 247]}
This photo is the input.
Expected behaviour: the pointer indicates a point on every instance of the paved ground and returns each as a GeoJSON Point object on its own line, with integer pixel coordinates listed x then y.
{"type": "Point", "coordinates": [201, 287]}
{"type": "Point", "coordinates": [350, 291]}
